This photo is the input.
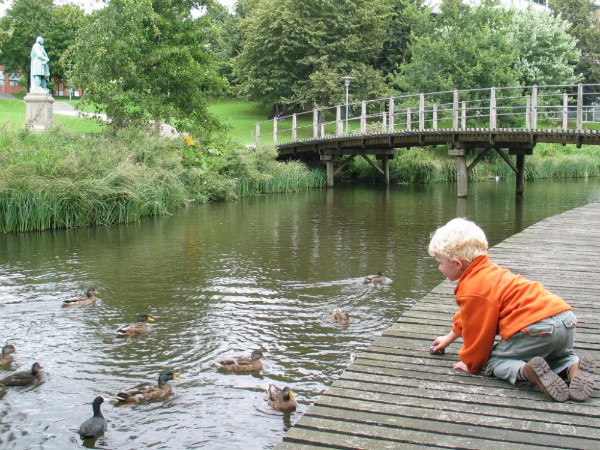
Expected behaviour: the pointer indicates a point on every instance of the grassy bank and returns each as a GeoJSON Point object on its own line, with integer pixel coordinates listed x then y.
{"type": "Point", "coordinates": [61, 179]}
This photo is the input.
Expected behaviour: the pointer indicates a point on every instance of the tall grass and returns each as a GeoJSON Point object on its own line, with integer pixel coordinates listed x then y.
{"type": "Point", "coordinates": [58, 179]}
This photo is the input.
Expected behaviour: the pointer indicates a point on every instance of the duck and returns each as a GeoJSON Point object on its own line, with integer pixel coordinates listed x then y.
{"type": "Point", "coordinates": [281, 399]}
{"type": "Point", "coordinates": [148, 390]}
{"type": "Point", "coordinates": [24, 378]}
{"type": "Point", "coordinates": [241, 363]}
{"type": "Point", "coordinates": [95, 426]}
{"type": "Point", "coordinates": [89, 299]}
{"type": "Point", "coordinates": [7, 355]}
{"type": "Point", "coordinates": [377, 278]}
{"type": "Point", "coordinates": [339, 316]}
{"type": "Point", "coordinates": [133, 329]}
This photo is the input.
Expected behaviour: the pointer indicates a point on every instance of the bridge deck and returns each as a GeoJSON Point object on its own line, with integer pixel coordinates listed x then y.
{"type": "Point", "coordinates": [396, 395]}
{"type": "Point", "coordinates": [479, 138]}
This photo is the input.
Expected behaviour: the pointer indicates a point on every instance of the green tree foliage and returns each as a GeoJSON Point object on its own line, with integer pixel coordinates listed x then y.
{"type": "Point", "coordinates": [484, 46]}
{"type": "Point", "coordinates": [27, 19]}
{"type": "Point", "coordinates": [223, 38]}
{"type": "Point", "coordinates": [547, 54]}
{"type": "Point", "coordinates": [294, 52]}
{"type": "Point", "coordinates": [465, 48]}
{"type": "Point", "coordinates": [408, 17]}
{"type": "Point", "coordinates": [585, 27]}
{"type": "Point", "coordinates": [145, 60]}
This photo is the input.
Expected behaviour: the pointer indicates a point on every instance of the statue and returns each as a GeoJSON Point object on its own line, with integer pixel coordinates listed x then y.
{"type": "Point", "coordinates": [40, 73]}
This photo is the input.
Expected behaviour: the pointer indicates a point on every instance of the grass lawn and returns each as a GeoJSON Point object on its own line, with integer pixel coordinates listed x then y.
{"type": "Point", "coordinates": [239, 116]}
{"type": "Point", "coordinates": [12, 113]}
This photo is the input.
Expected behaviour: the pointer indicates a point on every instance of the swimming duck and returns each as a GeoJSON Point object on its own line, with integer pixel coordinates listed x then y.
{"type": "Point", "coordinates": [7, 355]}
{"type": "Point", "coordinates": [378, 278]}
{"type": "Point", "coordinates": [243, 363]}
{"type": "Point", "coordinates": [89, 299]}
{"type": "Point", "coordinates": [95, 425]}
{"type": "Point", "coordinates": [281, 399]}
{"type": "Point", "coordinates": [339, 316]}
{"type": "Point", "coordinates": [148, 390]}
{"type": "Point", "coordinates": [133, 329]}
{"type": "Point", "coordinates": [24, 378]}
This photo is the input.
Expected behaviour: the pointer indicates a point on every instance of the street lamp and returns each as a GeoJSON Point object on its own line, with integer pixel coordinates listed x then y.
{"type": "Point", "coordinates": [347, 79]}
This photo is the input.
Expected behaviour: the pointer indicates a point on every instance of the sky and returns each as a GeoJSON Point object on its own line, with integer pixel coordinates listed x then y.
{"type": "Point", "coordinates": [89, 5]}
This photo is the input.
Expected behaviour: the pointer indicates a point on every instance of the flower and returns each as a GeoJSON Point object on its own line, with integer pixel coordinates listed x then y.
{"type": "Point", "coordinates": [188, 140]}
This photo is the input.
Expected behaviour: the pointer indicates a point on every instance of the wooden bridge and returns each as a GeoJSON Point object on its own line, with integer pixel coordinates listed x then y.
{"type": "Point", "coordinates": [396, 395]}
{"type": "Point", "coordinates": [510, 121]}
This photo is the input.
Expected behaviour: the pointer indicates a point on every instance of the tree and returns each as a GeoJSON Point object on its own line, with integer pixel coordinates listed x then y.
{"type": "Point", "coordinates": [223, 39]}
{"type": "Point", "coordinates": [487, 45]}
{"type": "Point", "coordinates": [145, 60]}
{"type": "Point", "coordinates": [294, 53]}
{"type": "Point", "coordinates": [547, 54]}
{"type": "Point", "coordinates": [585, 27]}
{"type": "Point", "coordinates": [464, 48]}
{"type": "Point", "coordinates": [23, 22]}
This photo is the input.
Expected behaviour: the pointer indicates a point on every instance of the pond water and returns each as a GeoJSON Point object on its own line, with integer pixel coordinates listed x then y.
{"type": "Point", "coordinates": [224, 279]}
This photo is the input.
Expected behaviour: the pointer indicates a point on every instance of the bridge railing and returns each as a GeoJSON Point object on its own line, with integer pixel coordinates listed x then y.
{"type": "Point", "coordinates": [560, 107]}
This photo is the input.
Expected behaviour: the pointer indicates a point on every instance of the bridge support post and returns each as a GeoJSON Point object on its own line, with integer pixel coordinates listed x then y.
{"type": "Point", "coordinates": [330, 166]}
{"type": "Point", "coordinates": [385, 163]}
{"type": "Point", "coordinates": [520, 188]}
{"type": "Point", "coordinates": [461, 176]}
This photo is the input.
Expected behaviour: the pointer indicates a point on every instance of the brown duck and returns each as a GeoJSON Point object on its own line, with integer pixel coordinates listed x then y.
{"type": "Point", "coordinates": [89, 299]}
{"type": "Point", "coordinates": [7, 355]}
{"type": "Point", "coordinates": [148, 390]}
{"type": "Point", "coordinates": [135, 328]}
{"type": "Point", "coordinates": [281, 399]}
{"type": "Point", "coordinates": [243, 363]}
{"type": "Point", "coordinates": [339, 316]}
{"type": "Point", "coordinates": [24, 378]}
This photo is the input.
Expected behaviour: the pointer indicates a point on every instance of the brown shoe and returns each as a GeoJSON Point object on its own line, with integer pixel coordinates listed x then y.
{"type": "Point", "coordinates": [538, 372]}
{"type": "Point", "coordinates": [581, 375]}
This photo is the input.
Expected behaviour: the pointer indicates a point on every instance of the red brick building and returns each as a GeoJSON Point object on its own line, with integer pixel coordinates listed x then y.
{"type": "Point", "coordinates": [9, 82]}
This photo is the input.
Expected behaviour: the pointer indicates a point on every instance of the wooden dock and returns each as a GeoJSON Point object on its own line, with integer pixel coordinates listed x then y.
{"type": "Point", "coordinates": [396, 395]}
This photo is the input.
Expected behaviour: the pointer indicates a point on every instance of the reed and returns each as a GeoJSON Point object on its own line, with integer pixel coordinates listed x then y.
{"type": "Point", "coordinates": [59, 179]}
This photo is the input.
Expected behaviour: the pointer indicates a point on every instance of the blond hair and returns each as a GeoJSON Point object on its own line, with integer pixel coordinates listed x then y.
{"type": "Point", "coordinates": [460, 238]}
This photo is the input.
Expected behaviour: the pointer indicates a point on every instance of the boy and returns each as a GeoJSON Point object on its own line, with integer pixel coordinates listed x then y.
{"type": "Point", "coordinates": [536, 326]}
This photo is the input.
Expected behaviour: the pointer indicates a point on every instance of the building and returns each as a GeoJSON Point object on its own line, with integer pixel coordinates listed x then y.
{"type": "Point", "coordinates": [9, 82]}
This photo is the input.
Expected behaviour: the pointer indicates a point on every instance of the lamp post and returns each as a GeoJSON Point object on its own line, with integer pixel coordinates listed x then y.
{"type": "Point", "coordinates": [347, 79]}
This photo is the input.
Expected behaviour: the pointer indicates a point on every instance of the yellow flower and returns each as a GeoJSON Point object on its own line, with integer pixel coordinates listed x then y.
{"type": "Point", "coordinates": [188, 140]}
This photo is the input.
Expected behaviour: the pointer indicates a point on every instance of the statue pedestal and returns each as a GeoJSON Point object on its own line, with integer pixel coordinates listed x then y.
{"type": "Point", "coordinates": [39, 111]}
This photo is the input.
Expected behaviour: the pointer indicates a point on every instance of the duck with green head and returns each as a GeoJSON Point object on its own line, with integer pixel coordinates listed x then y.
{"type": "Point", "coordinates": [148, 390]}
{"type": "Point", "coordinates": [135, 328]}
{"type": "Point", "coordinates": [242, 363]}
{"type": "Point", "coordinates": [89, 299]}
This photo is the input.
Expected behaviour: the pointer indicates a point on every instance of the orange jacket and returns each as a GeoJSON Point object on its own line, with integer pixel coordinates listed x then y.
{"type": "Point", "coordinates": [495, 301]}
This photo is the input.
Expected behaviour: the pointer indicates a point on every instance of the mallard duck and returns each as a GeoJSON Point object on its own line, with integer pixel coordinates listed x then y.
{"type": "Point", "coordinates": [24, 378]}
{"type": "Point", "coordinates": [243, 363]}
{"type": "Point", "coordinates": [95, 425]}
{"type": "Point", "coordinates": [339, 316]}
{"type": "Point", "coordinates": [281, 399]}
{"type": "Point", "coordinates": [7, 355]}
{"type": "Point", "coordinates": [133, 329]}
{"type": "Point", "coordinates": [378, 278]}
{"type": "Point", "coordinates": [148, 390]}
{"type": "Point", "coordinates": [89, 299]}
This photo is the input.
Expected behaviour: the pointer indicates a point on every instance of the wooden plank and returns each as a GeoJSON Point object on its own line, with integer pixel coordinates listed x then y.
{"type": "Point", "coordinates": [397, 395]}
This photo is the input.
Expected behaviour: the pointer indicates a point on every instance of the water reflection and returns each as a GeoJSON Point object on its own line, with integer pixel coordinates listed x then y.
{"type": "Point", "coordinates": [223, 279]}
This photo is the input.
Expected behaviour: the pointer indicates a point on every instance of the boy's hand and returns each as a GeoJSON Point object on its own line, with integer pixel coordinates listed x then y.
{"type": "Point", "coordinates": [460, 366]}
